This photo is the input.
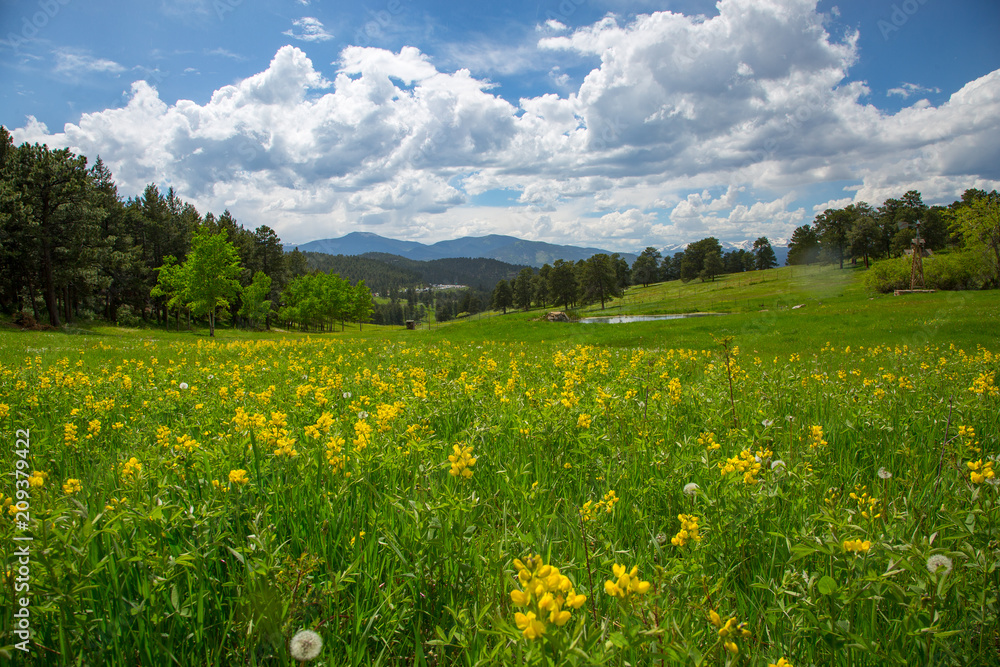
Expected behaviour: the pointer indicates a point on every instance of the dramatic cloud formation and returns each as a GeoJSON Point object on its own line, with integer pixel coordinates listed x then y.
{"type": "Point", "coordinates": [685, 126]}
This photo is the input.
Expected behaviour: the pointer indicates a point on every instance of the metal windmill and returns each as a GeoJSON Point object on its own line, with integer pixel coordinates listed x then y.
{"type": "Point", "coordinates": [917, 250]}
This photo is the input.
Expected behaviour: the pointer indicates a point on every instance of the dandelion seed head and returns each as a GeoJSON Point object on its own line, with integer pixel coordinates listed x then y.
{"type": "Point", "coordinates": [884, 474]}
{"type": "Point", "coordinates": [305, 645]}
{"type": "Point", "coordinates": [690, 489]}
{"type": "Point", "coordinates": [777, 465]}
{"type": "Point", "coordinates": [183, 385]}
{"type": "Point", "coordinates": [938, 561]}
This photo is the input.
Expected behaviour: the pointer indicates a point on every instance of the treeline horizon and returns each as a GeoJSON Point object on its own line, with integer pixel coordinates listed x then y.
{"type": "Point", "coordinates": [72, 248]}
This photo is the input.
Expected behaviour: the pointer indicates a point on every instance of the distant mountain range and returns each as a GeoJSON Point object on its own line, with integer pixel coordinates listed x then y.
{"type": "Point", "coordinates": [507, 249]}
{"type": "Point", "coordinates": [495, 246]}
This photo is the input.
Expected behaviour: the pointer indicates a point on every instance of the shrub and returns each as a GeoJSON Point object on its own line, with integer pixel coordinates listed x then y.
{"type": "Point", "coordinates": [24, 320]}
{"type": "Point", "coordinates": [126, 317]}
{"type": "Point", "coordinates": [952, 271]}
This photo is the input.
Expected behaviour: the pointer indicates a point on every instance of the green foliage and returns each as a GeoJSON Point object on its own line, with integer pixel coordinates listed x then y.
{"type": "Point", "coordinates": [600, 282]}
{"type": "Point", "coordinates": [977, 220]}
{"type": "Point", "coordinates": [950, 271]}
{"type": "Point", "coordinates": [523, 288]}
{"type": "Point", "coordinates": [764, 254]}
{"type": "Point", "coordinates": [646, 268]}
{"type": "Point", "coordinates": [803, 247]}
{"type": "Point", "coordinates": [563, 285]}
{"type": "Point", "coordinates": [210, 274]}
{"type": "Point", "coordinates": [503, 297]}
{"type": "Point", "coordinates": [256, 306]}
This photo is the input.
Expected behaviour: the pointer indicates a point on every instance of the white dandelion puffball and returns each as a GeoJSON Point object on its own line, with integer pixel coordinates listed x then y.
{"type": "Point", "coordinates": [884, 474]}
{"type": "Point", "coordinates": [305, 645]}
{"type": "Point", "coordinates": [777, 465]}
{"type": "Point", "coordinates": [183, 385]}
{"type": "Point", "coordinates": [690, 489]}
{"type": "Point", "coordinates": [938, 561]}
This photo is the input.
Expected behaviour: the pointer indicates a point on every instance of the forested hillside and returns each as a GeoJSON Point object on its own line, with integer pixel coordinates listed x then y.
{"type": "Point", "coordinates": [384, 272]}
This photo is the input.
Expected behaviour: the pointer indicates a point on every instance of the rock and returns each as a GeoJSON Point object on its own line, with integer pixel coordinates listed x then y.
{"type": "Point", "coordinates": [557, 316]}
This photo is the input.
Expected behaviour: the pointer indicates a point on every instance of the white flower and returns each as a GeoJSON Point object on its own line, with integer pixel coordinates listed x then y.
{"type": "Point", "coordinates": [777, 465]}
{"type": "Point", "coordinates": [884, 474]}
{"type": "Point", "coordinates": [347, 394]}
{"type": "Point", "coordinates": [183, 385]}
{"type": "Point", "coordinates": [938, 561]}
{"type": "Point", "coordinates": [305, 645]}
{"type": "Point", "coordinates": [767, 423]}
{"type": "Point", "coordinates": [690, 489]}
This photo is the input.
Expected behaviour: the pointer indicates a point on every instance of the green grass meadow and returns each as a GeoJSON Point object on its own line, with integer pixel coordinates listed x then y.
{"type": "Point", "coordinates": [772, 486]}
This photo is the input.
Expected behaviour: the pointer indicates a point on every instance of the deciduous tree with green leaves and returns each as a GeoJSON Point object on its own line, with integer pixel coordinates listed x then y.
{"type": "Point", "coordinates": [256, 306]}
{"type": "Point", "coordinates": [212, 270]}
{"type": "Point", "coordinates": [977, 220]}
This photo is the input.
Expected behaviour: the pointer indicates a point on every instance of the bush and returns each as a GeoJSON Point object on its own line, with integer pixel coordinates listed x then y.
{"type": "Point", "coordinates": [126, 317]}
{"type": "Point", "coordinates": [24, 320]}
{"type": "Point", "coordinates": [952, 271]}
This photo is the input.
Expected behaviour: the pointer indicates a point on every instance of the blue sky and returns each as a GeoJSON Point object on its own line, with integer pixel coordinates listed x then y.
{"type": "Point", "coordinates": [612, 124]}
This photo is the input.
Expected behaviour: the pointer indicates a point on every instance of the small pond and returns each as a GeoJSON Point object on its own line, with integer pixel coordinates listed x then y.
{"type": "Point", "coordinates": [626, 319]}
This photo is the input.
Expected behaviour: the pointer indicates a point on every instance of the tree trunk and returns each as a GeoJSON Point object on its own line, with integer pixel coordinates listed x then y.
{"type": "Point", "coordinates": [50, 288]}
{"type": "Point", "coordinates": [211, 323]}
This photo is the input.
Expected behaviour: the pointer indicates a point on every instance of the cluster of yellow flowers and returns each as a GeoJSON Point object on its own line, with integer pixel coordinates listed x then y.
{"type": "Point", "coordinates": [984, 384]}
{"type": "Point", "coordinates": [386, 413]}
{"type": "Point", "coordinates": [276, 435]}
{"type": "Point", "coordinates": [130, 469]}
{"type": "Point", "coordinates": [729, 630]}
{"type": "Point", "coordinates": [461, 461]}
{"type": "Point", "coordinates": [362, 435]}
{"type": "Point", "coordinates": [238, 477]}
{"type": "Point", "coordinates": [72, 486]}
{"type": "Point", "coordinates": [583, 421]}
{"type": "Point", "coordinates": [334, 453]}
{"type": "Point", "coordinates": [114, 504]}
{"type": "Point", "coordinates": [967, 435]}
{"type": "Point", "coordinates": [708, 441]}
{"type": "Point", "coordinates": [674, 391]}
{"type": "Point", "coordinates": [590, 510]}
{"type": "Point", "coordinates": [979, 472]}
{"type": "Point", "coordinates": [162, 436]}
{"type": "Point", "coordinates": [857, 546]}
{"type": "Point", "coordinates": [37, 479]}
{"type": "Point", "coordinates": [746, 463]}
{"type": "Point", "coordinates": [688, 531]}
{"type": "Point", "coordinates": [816, 437]}
{"type": "Point", "coordinates": [781, 663]}
{"type": "Point", "coordinates": [321, 427]}
{"type": "Point", "coordinates": [544, 592]}
{"type": "Point", "coordinates": [866, 504]}
{"type": "Point", "coordinates": [625, 583]}
{"type": "Point", "coordinates": [70, 435]}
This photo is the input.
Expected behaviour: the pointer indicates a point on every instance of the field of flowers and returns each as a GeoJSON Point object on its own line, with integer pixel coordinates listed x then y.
{"type": "Point", "coordinates": [430, 503]}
